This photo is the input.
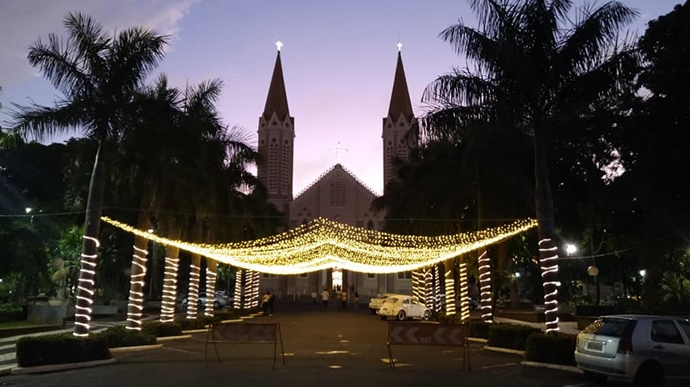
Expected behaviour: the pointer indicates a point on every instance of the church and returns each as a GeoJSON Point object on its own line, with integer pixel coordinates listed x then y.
{"type": "Point", "coordinates": [337, 195]}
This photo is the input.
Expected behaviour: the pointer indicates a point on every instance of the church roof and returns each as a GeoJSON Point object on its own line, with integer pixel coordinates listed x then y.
{"type": "Point", "coordinates": [276, 102]}
{"type": "Point", "coordinates": [400, 97]}
{"type": "Point", "coordinates": [336, 170]}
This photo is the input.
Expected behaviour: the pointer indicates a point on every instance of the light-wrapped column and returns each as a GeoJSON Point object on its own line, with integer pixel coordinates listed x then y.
{"type": "Point", "coordinates": [254, 299]}
{"type": "Point", "coordinates": [486, 293]}
{"type": "Point", "coordinates": [170, 284]}
{"type": "Point", "coordinates": [428, 288]}
{"type": "Point", "coordinates": [464, 294]}
{"type": "Point", "coordinates": [87, 271]}
{"type": "Point", "coordinates": [193, 294]}
{"type": "Point", "coordinates": [239, 274]}
{"type": "Point", "coordinates": [549, 274]}
{"type": "Point", "coordinates": [135, 306]}
{"type": "Point", "coordinates": [418, 285]}
{"type": "Point", "coordinates": [211, 275]}
{"type": "Point", "coordinates": [450, 289]}
{"type": "Point", "coordinates": [437, 288]}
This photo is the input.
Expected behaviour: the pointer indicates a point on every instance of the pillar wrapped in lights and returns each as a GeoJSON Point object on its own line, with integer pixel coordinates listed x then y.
{"type": "Point", "coordinates": [437, 288]}
{"type": "Point", "coordinates": [211, 275]}
{"type": "Point", "coordinates": [238, 296]}
{"type": "Point", "coordinates": [193, 293]}
{"type": "Point", "coordinates": [450, 288]}
{"type": "Point", "coordinates": [135, 306]}
{"type": "Point", "coordinates": [464, 294]}
{"type": "Point", "coordinates": [484, 263]}
{"type": "Point", "coordinates": [548, 261]}
{"type": "Point", "coordinates": [254, 296]}
{"type": "Point", "coordinates": [428, 288]}
{"type": "Point", "coordinates": [82, 314]}
{"type": "Point", "coordinates": [170, 284]}
{"type": "Point", "coordinates": [418, 285]}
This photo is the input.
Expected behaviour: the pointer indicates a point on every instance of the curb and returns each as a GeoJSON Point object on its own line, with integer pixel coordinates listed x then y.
{"type": "Point", "coordinates": [504, 350]}
{"type": "Point", "coordinates": [135, 348]}
{"type": "Point", "coordinates": [170, 338]}
{"type": "Point", "coordinates": [60, 367]}
{"type": "Point", "coordinates": [477, 340]}
{"type": "Point", "coordinates": [190, 331]}
{"type": "Point", "coordinates": [558, 367]}
{"type": "Point", "coordinates": [8, 370]}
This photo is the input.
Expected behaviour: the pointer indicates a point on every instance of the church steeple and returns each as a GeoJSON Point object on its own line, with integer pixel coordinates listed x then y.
{"type": "Point", "coordinates": [397, 123]}
{"type": "Point", "coordinates": [400, 97]}
{"type": "Point", "coordinates": [276, 101]}
{"type": "Point", "coordinates": [276, 141]}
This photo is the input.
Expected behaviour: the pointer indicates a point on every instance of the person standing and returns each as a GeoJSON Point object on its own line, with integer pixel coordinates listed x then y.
{"type": "Point", "coordinates": [271, 299]}
{"type": "Point", "coordinates": [356, 295]}
{"type": "Point", "coordinates": [313, 299]}
{"type": "Point", "coordinates": [325, 295]}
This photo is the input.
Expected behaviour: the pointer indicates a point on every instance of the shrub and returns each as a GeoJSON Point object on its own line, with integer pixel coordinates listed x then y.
{"type": "Point", "coordinates": [119, 336]}
{"type": "Point", "coordinates": [226, 315]}
{"type": "Point", "coordinates": [510, 336]}
{"type": "Point", "coordinates": [159, 329]}
{"type": "Point", "coordinates": [200, 323]}
{"type": "Point", "coordinates": [554, 349]}
{"type": "Point", "coordinates": [479, 329]}
{"type": "Point", "coordinates": [60, 349]}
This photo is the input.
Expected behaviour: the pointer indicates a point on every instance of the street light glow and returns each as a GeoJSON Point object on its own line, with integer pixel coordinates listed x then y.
{"type": "Point", "coordinates": [643, 273]}
{"type": "Point", "coordinates": [570, 249]}
{"type": "Point", "coordinates": [28, 209]}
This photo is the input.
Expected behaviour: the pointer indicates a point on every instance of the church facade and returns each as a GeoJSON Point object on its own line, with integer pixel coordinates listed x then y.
{"type": "Point", "coordinates": [337, 194]}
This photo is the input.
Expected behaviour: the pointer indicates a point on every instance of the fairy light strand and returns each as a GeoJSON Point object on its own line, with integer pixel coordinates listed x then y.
{"type": "Point", "coordinates": [193, 294]}
{"type": "Point", "coordinates": [136, 295]}
{"type": "Point", "coordinates": [464, 294]}
{"type": "Point", "coordinates": [437, 289]}
{"type": "Point", "coordinates": [237, 303]}
{"type": "Point", "coordinates": [450, 290]}
{"type": "Point", "coordinates": [323, 244]}
{"type": "Point", "coordinates": [418, 285]}
{"type": "Point", "coordinates": [82, 314]}
{"type": "Point", "coordinates": [169, 289]}
{"type": "Point", "coordinates": [486, 295]}
{"type": "Point", "coordinates": [210, 292]}
{"type": "Point", "coordinates": [549, 270]}
{"type": "Point", "coordinates": [428, 288]}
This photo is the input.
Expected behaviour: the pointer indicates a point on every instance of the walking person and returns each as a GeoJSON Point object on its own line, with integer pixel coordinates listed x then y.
{"type": "Point", "coordinates": [313, 299]}
{"type": "Point", "coordinates": [271, 299]}
{"type": "Point", "coordinates": [343, 300]}
{"type": "Point", "coordinates": [356, 295]}
{"type": "Point", "coordinates": [265, 298]}
{"type": "Point", "coordinates": [325, 296]}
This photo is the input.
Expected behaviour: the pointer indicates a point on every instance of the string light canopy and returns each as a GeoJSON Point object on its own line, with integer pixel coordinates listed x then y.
{"type": "Point", "coordinates": [323, 244]}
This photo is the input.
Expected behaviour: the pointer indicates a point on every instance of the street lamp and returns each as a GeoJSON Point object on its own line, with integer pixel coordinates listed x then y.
{"type": "Point", "coordinates": [643, 273]}
{"type": "Point", "coordinates": [570, 249]}
{"type": "Point", "coordinates": [28, 210]}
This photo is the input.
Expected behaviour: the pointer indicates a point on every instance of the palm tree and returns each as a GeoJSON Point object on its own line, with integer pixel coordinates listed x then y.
{"type": "Point", "coordinates": [98, 76]}
{"type": "Point", "coordinates": [533, 70]}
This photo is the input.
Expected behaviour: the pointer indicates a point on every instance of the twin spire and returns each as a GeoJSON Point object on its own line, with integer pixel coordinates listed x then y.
{"type": "Point", "coordinates": [276, 102]}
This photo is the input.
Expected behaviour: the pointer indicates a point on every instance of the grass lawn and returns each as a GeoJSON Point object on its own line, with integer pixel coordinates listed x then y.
{"type": "Point", "coordinates": [18, 324]}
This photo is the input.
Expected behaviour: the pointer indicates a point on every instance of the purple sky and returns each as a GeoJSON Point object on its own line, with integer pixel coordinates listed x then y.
{"type": "Point", "coordinates": [338, 60]}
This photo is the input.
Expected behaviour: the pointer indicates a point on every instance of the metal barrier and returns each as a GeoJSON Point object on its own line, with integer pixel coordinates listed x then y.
{"type": "Point", "coordinates": [444, 335]}
{"type": "Point", "coordinates": [243, 333]}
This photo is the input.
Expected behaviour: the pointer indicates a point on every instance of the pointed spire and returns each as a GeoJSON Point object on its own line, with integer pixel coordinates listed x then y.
{"type": "Point", "coordinates": [400, 98]}
{"type": "Point", "coordinates": [277, 97]}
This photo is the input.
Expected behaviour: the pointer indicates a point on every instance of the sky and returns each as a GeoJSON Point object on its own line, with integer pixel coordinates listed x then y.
{"type": "Point", "coordinates": [338, 61]}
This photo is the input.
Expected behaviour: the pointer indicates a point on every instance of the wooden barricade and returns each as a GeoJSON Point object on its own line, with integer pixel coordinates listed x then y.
{"type": "Point", "coordinates": [244, 333]}
{"type": "Point", "coordinates": [444, 335]}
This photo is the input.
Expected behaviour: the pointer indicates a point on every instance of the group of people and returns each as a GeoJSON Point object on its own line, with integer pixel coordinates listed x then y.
{"type": "Point", "coordinates": [340, 296]}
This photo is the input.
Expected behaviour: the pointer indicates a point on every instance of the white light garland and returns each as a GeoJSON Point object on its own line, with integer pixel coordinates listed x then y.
{"type": "Point", "coordinates": [418, 285]}
{"type": "Point", "coordinates": [464, 294]}
{"type": "Point", "coordinates": [437, 288]}
{"type": "Point", "coordinates": [549, 265]}
{"type": "Point", "coordinates": [193, 294]}
{"type": "Point", "coordinates": [239, 273]}
{"type": "Point", "coordinates": [136, 298]}
{"type": "Point", "coordinates": [82, 314]}
{"type": "Point", "coordinates": [486, 294]}
{"type": "Point", "coordinates": [210, 291]}
{"type": "Point", "coordinates": [428, 288]}
{"type": "Point", "coordinates": [169, 288]}
{"type": "Point", "coordinates": [450, 291]}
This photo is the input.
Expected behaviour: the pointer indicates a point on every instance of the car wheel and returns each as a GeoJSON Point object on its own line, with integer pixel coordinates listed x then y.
{"type": "Point", "coordinates": [216, 305]}
{"type": "Point", "coordinates": [384, 318]}
{"type": "Point", "coordinates": [649, 374]}
{"type": "Point", "coordinates": [373, 311]}
{"type": "Point", "coordinates": [402, 315]}
{"type": "Point", "coordinates": [427, 315]}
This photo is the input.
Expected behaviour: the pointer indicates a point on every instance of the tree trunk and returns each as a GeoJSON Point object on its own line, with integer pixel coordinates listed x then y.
{"type": "Point", "coordinates": [135, 306]}
{"type": "Point", "coordinates": [194, 273]}
{"type": "Point", "coordinates": [548, 251]}
{"type": "Point", "coordinates": [89, 254]}
{"type": "Point", "coordinates": [211, 275]}
{"type": "Point", "coordinates": [172, 258]}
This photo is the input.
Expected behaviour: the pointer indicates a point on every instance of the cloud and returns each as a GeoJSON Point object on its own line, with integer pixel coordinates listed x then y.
{"type": "Point", "coordinates": [23, 22]}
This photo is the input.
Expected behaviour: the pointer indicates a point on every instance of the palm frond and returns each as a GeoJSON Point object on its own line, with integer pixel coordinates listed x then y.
{"type": "Point", "coordinates": [43, 122]}
{"type": "Point", "coordinates": [57, 61]}
{"type": "Point", "coordinates": [89, 41]}
{"type": "Point", "coordinates": [459, 88]}
{"type": "Point", "coordinates": [134, 54]}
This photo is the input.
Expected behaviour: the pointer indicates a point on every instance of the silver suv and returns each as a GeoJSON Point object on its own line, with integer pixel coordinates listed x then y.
{"type": "Point", "coordinates": [646, 350]}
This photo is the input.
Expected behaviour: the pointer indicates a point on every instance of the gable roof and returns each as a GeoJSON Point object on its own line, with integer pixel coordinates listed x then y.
{"type": "Point", "coordinates": [334, 172]}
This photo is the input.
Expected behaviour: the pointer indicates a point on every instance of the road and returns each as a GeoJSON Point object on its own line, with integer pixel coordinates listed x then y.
{"type": "Point", "coordinates": [323, 348]}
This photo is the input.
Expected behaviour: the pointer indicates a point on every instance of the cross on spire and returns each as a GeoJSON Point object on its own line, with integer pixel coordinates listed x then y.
{"type": "Point", "coordinates": [279, 44]}
{"type": "Point", "coordinates": [339, 150]}
{"type": "Point", "coordinates": [399, 46]}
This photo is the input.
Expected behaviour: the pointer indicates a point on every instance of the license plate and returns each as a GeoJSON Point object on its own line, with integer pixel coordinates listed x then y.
{"type": "Point", "coordinates": [595, 346]}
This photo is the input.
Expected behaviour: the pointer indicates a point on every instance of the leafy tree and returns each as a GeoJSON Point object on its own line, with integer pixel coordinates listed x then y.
{"type": "Point", "coordinates": [98, 76]}
{"type": "Point", "coordinates": [533, 70]}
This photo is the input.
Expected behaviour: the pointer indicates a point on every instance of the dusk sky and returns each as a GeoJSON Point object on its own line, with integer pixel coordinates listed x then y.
{"type": "Point", "coordinates": [338, 60]}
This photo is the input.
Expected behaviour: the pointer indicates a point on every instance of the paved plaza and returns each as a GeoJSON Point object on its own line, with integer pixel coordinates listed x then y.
{"type": "Point", "coordinates": [323, 348]}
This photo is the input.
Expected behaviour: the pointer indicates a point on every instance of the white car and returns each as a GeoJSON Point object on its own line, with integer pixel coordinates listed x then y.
{"type": "Point", "coordinates": [376, 302]}
{"type": "Point", "coordinates": [220, 300]}
{"type": "Point", "coordinates": [403, 308]}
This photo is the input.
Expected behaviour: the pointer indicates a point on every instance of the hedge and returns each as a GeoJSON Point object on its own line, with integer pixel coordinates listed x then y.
{"type": "Point", "coordinates": [554, 349]}
{"type": "Point", "coordinates": [161, 329]}
{"type": "Point", "coordinates": [199, 323]}
{"type": "Point", "coordinates": [510, 336]}
{"type": "Point", "coordinates": [119, 336]}
{"type": "Point", "coordinates": [60, 349]}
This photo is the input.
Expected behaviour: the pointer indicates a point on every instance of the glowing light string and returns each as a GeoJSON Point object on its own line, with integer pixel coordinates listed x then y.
{"type": "Point", "coordinates": [82, 314]}
{"type": "Point", "coordinates": [549, 265]}
{"type": "Point", "coordinates": [485, 287]}
{"type": "Point", "coordinates": [136, 298]}
{"type": "Point", "coordinates": [323, 244]}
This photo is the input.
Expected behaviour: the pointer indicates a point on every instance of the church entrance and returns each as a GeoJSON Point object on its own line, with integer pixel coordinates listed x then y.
{"type": "Point", "coordinates": [337, 278]}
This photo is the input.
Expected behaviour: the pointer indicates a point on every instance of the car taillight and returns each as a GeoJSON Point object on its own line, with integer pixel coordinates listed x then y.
{"type": "Point", "coordinates": [625, 346]}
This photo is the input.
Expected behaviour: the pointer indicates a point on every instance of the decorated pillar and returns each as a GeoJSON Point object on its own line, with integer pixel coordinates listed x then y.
{"type": "Point", "coordinates": [238, 295]}
{"type": "Point", "coordinates": [172, 254]}
{"type": "Point", "coordinates": [464, 294]}
{"type": "Point", "coordinates": [429, 288]}
{"type": "Point", "coordinates": [211, 276]}
{"type": "Point", "coordinates": [449, 283]}
{"type": "Point", "coordinates": [486, 293]}
{"type": "Point", "coordinates": [418, 290]}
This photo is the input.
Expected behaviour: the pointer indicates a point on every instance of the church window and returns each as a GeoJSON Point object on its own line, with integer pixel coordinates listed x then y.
{"type": "Point", "coordinates": [304, 221]}
{"type": "Point", "coordinates": [286, 165]}
{"type": "Point", "coordinates": [371, 275]}
{"type": "Point", "coordinates": [405, 275]}
{"type": "Point", "coordinates": [268, 275]}
{"type": "Point", "coordinates": [303, 275]}
{"type": "Point", "coordinates": [273, 165]}
{"type": "Point", "coordinates": [337, 194]}
{"type": "Point", "coordinates": [293, 223]}
{"type": "Point", "coordinates": [360, 223]}
{"type": "Point", "coordinates": [274, 123]}
{"type": "Point", "coordinates": [370, 225]}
